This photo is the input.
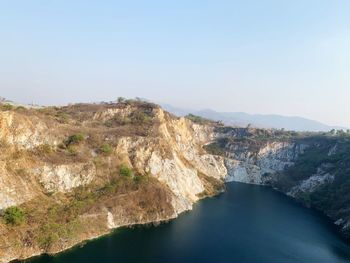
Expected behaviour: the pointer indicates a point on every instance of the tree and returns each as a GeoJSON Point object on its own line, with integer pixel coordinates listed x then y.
{"type": "Point", "coordinates": [75, 139]}
{"type": "Point", "coordinates": [121, 99]}
{"type": "Point", "coordinates": [126, 171]}
{"type": "Point", "coordinates": [14, 215]}
{"type": "Point", "coordinates": [106, 149]}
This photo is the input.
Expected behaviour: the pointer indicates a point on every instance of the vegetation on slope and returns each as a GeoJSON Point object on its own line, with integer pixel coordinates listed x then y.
{"type": "Point", "coordinates": [250, 139]}
{"type": "Point", "coordinates": [329, 152]}
{"type": "Point", "coordinates": [88, 133]}
{"type": "Point", "coordinates": [201, 120]}
{"type": "Point", "coordinates": [14, 215]}
{"type": "Point", "coordinates": [49, 221]}
{"type": "Point", "coordinates": [332, 198]}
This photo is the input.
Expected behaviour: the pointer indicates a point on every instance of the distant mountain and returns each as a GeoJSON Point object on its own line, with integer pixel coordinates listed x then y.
{"type": "Point", "coordinates": [175, 110]}
{"type": "Point", "coordinates": [257, 120]}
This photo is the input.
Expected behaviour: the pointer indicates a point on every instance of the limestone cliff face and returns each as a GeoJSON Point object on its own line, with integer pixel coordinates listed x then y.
{"type": "Point", "coordinates": [176, 159]}
{"type": "Point", "coordinates": [311, 168]}
{"type": "Point", "coordinates": [64, 178]}
{"type": "Point", "coordinates": [262, 165]}
{"type": "Point", "coordinates": [259, 166]}
{"type": "Point", "coordinates": [24, 131]}
{"type": "Point", "coordinates": [61, 165]}
{"type": "Point", "coordinates": [38, 163]}
{"type": "Point", "coordinates": [14, 188]}
{"type": "Point", "coordinates": [17, 134]}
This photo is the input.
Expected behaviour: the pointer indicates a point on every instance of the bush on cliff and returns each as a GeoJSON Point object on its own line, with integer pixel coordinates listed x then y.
{"type": "Point", "coordinates": [14, 215]}
{"type": "Point", "coordinates": [106, 149]}
{"type": "Point", "coordinates": [75, 139]}
{"type": "Point", "coordinates": [6, 107]}
{"type": "Point", "coordinates": [199, 119]}
{"type": "Point", "coordinates": [125, 171]}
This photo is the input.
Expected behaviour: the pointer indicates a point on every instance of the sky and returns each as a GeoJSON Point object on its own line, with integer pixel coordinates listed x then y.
{"type": "Point", "coordinates": [256, 56]}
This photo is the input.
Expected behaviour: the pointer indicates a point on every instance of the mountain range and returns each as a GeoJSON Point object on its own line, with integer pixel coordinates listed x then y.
{"type": "Point", "coordinates": [242, 119]}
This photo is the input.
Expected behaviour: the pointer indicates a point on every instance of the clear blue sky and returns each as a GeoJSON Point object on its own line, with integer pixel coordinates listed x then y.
{"type": "Point", "coordinates": [262, 56]}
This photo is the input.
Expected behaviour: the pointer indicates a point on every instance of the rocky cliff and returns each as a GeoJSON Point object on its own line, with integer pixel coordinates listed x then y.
{"type": "Point", "coordinates": [312, 168]}
{"type": "Point", "coordinates": [77, 172]}
{"type": "Point", "coordinates": [68, 174]}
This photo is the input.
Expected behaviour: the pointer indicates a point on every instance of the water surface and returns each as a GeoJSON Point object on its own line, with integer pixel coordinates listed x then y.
{"type": "Point", "coordinates": [247, 223]}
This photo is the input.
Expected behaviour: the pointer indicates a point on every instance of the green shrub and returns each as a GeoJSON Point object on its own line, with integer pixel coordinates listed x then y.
{"type": "Point", "coordinates": [75, 139]}
{"type": "Point", "coordinates": [126, 171]}
{"type": "Point", "coordinates": [198, 119]}
{"type": "Point", "coordinates": [118, 120]}
{"type": "Point", "coordinates": [72, 150]}
{"type": "Point", "coordinates": [110, 187]}
{"type": "Point", "coordinates": [62, 117]}
{"type": "Point", "coordinates": [141, 117]}
{"type": "Point", "coordinates": [121, 99]}
{"type": "Point", "coordinates": [108, 123]}
{"type": "Point", "coordinates": [7, 107]}
{"type": "Point", "coordinates": [141, 178]}
{"type": "Point", "coordinates": [215, 148]}
{"type": "Point", "coordinates": [106, 149]}
{"type": "Point", "coordinates": [14, 215]}
{"type": "Point", "coordinates": [49, 234]}
{"type": "Point", "coordinates": [20, 108]}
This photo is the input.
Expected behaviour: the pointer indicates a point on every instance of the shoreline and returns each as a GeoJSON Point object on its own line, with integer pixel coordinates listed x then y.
{"type": "Point", "coordinates": [111, 232]}
{"type": "Point", "coordinates": [325, 218]}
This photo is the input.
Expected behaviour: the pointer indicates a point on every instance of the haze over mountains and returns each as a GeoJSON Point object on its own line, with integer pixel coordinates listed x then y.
{"type": "Point", "coordinates": [240, 119]}
{"type": "Point", "coordinates": [257, 120]}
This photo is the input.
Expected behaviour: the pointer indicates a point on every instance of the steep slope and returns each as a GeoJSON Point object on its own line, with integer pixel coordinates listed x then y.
{"type": "Point", "coordinates": [77, 172]}
{"type": "Point", "coordinates": [68, 174]}
{"type": "Point", "coordinates": [312, 168]}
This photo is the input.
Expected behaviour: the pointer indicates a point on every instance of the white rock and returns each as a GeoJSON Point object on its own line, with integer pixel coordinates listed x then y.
{"type": "Point", "coordinates": [110, 221]}
{"type": "Point", "coordinates": [312, 183]}
{"type": "Point", "coordinates": [63, 178]}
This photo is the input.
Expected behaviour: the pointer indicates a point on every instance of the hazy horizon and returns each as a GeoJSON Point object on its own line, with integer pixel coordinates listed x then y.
{"type": "Point", "coordinates": [261, 57]}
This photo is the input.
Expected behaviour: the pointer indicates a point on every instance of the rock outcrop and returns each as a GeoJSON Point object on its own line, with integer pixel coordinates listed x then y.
{"type": "Point", "coordinates": [57, 169]}
{"type": "Point", "coordinates": [312, 168]}
{"type": "Point", "coordinates": [79, 171]}
{"type": "Point", "coordinates": [260, 166]}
